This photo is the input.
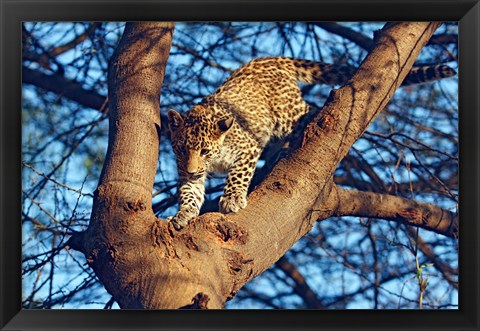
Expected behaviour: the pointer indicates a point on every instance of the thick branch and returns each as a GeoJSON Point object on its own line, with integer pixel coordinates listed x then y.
{"type": "Point", "coordinates": [374, 205]}
{"type": "Point", "coordinates": [64, 87]}
{"type": "Point", "coordinates": [135, 79]}
{"type": "Point", "coordinates": [117, 243]}
{"type": "Point", "coordinates": [290, 199]}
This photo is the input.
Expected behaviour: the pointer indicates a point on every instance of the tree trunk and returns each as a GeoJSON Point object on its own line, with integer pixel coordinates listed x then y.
{"type": "Point", "coordinates": [144, 263]}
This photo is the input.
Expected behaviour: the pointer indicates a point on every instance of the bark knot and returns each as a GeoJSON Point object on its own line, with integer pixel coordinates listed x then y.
{"type": "Point", "coordinates": [162, 236]}
{"type": "Point", "coordinates": [194, 242]}
{"type": "Point", "coordinates": [284, 184]}
{"type": "Point", "coordinates": [240, 268]}
{"type": "Point", "coordinates": [238, 265]}
{"type": "Point", "coordinates": [199, 301]}
{"type": "Point", "coordinates": [230, 232]}
{"type": "Point", "coordinates": [326, 123]}
{"type": "Point", "coordinates": [134, 206]}
{"type": "Point", "coordinates": [414, 215]}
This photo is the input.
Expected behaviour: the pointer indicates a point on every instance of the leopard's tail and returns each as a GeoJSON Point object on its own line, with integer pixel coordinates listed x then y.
{"type": "Point", "coordinates": [312, 72]}
{"type": "Point", "coordinates": [424, 74]}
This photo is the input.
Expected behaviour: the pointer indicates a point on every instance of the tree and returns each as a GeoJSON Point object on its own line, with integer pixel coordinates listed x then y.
{"type": "Point", "coordinates": [144, 263]}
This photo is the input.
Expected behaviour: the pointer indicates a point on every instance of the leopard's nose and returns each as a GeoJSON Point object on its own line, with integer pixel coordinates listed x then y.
{"type": "Point", "coordinates": [192, 167]}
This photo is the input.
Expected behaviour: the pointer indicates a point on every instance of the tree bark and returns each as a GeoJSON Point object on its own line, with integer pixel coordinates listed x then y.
{"type": "Point", "coordinates": [142, 261]}
{"type": "Point", "coordinates": [389, 207]}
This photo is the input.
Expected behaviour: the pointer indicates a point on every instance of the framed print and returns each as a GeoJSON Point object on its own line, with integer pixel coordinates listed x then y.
{"type": "Point", "coordinates": [257, 165]}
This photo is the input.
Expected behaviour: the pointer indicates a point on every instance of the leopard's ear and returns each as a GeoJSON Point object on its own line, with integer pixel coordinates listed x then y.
{"type": "Point", "coordinates": [175, 120]}
{"type": "Point", "coordinates": [225, 123]}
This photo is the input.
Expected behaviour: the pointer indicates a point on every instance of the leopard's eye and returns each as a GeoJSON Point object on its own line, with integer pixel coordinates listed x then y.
{"type": "Point", "coordinates": [204, 151]}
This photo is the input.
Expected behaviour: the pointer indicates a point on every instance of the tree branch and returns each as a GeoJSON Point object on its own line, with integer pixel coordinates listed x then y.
{"type": "Point", "coordinates": [447, 271]}
{"type": "Point", "coordinates": [72, 90]}
{"type": "Point", "coordinates": [300, 287]}
{"type": "Point", "coordinates": [119, 242]}
{"type": "Point", "coordinates": [442, 39]}
{"type": "Point", "coordinates": [75, 41]}
{"type": "Point", "coordinates": [366, 43]}
{"type": "Point", "coordinates": [354, 36]}
{"type": "Point", "coordinates": [392, 208]}
{"type": "Point", "coordinates": [64, 87]}
{"type": "Point", "coordinates": [291, 198]}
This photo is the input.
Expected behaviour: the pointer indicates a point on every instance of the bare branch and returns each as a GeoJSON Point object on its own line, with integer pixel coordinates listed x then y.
{"type": "Point", "coordinates": [447, 270]}
{"type": "Point", "coordinates": [64, 87]}
{"type": "Point", "coordinates": [354, 36]}
{"type": "Point", "coordinates": [73, 90]}
{"type": "Point", "coordinates": [75, 41]}
{"type": "Point", "coordinates": [389, 207]}
{"type": "Point", "coordinates": [366, 42]}
{"type": "Point", "coordinates": [301, 287]}
{"type": "Point", "coordinates": [442, 39]}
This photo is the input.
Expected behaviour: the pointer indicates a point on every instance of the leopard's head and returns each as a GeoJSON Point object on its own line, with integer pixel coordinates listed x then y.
{"type": "Point", "coordinates": [196, 139]}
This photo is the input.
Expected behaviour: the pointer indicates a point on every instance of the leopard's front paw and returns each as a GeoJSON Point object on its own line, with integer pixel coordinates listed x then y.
{"type": "Point", "coordinates": [232, 204]}
{"type": "Point", "coordinates": [180, 220]}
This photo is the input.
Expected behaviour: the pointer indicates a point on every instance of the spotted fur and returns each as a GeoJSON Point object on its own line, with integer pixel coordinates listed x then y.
{"type": "Point", "coordinates": [227, 131]}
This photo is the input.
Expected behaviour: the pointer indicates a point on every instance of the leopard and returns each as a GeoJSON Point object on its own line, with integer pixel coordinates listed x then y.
{"type": "Point", "coordinates": [227, 130]}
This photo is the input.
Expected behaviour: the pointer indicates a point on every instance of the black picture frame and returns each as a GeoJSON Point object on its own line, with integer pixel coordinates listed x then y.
{"type": "Point", "coordinates": [13, 12]}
